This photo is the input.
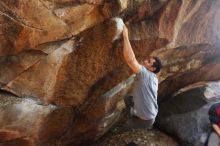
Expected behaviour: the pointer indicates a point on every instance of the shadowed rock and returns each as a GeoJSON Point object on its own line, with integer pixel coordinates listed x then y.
{"type": "Point", "coordinates": [189, 107]}
{"type": "Point", "coordinates": [39, 63]}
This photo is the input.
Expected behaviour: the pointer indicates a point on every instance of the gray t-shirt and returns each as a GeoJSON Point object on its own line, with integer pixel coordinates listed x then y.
{"type": "Point", "coordinates": [145, 94]}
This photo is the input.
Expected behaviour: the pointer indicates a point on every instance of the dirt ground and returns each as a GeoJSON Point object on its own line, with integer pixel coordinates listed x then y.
{"type": "Point", "coordinates": [141, 137]}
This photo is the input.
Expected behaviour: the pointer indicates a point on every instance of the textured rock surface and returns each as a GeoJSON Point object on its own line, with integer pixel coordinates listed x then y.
{"type": "Point", "coordinates": [68, 53]}
{"type": "Point", "coordinates": [25, 121]}
{"type": "Point", "coordinates": [185, 115]}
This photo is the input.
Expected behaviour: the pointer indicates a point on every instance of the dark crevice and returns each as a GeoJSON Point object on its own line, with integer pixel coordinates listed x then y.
{"type": "Point", "coordinates": [59, 42]}
{"type": "Point", "coordinates": [11, 140]}
{"type": "Point", "coordinates": [176, 78]}
{"type": "Point", "coordinates": [2, 91]}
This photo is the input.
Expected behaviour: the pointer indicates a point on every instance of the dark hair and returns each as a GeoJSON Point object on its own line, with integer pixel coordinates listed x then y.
{"type": "Point", "coordinates": [157, 64]}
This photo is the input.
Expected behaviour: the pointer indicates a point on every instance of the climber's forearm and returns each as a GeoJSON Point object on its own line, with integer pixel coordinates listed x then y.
{"type": "Point", "coordinates": [129, 54]}
{"type": "Point", "coordinates": [216, 129]}
{"type": "Point", "coordinates": [127, 51]}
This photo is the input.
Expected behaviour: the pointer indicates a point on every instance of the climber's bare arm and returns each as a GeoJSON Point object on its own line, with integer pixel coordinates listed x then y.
{"type": "Point", "coordinates": [216, 129]}
{"type": "Point", "coordinates": [128, 53]}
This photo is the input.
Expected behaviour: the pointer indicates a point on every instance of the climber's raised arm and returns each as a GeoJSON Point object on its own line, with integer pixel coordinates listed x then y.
{"type": "Point", "coordinates": [128, 53]}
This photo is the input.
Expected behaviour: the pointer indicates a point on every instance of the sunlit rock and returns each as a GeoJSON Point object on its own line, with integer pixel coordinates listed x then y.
{"type": "Point", "coordinates": [38, 62]}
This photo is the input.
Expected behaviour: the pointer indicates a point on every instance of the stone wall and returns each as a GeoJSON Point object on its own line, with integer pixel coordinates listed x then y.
{"type": "Point", "coordinates": [59, 58]}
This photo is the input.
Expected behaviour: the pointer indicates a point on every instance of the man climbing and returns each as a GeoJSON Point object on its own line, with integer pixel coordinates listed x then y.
{"type": "Point", "coordinates": [145, 87]}
{"type": "Point", "coordinates": [214, 117]}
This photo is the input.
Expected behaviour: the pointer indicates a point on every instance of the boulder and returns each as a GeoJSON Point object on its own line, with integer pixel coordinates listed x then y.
{"type": "Point", "coordinates": [70, 68]}
{"type": "Point", "coordinates": [26, 122]}
{"type": "Point", "coordinates": [28, 24]}
{"type": "Point", "coordinates": [185, 115]}
{"type": "Point", "coordinates": [68, 53]}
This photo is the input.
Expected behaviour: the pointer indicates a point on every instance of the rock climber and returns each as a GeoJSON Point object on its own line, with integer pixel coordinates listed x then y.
{"type": "Point", "coordinates": [214, 117]}
{"type": "Point", "coordinates": [144, 94]}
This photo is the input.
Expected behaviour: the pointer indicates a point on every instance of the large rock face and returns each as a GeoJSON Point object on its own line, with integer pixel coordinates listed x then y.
{"type": "Point", "coordinates": [62, 61]}
{"type": "Point", "coordinates": [185, 115]}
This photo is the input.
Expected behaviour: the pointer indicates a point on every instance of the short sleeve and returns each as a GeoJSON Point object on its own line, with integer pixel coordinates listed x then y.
{"type": "Point", "coordinates": [143, 72]}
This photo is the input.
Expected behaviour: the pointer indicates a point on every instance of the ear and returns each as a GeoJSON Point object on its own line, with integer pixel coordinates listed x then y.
{"type": "Point", "coordinates": [152, 69]}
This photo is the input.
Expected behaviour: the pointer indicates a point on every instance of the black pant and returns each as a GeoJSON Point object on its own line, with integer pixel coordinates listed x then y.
{"type": "Point", "coordinates": [129, 104]}
{"type": "Point", "coordinates": [133, 121]}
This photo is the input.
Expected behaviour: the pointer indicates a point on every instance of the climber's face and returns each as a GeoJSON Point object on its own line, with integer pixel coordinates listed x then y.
{"type": "Point", "coordinates": [148, 63]}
